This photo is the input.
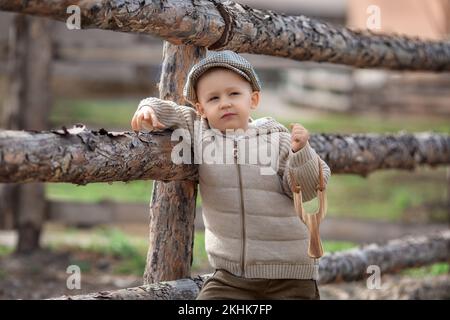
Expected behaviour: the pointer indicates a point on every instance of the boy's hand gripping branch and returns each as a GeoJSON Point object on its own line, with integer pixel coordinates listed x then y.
{"type": "Point", "coordinates": [145, 118]}
{"type": "Point", "coordinates": [312, 220]}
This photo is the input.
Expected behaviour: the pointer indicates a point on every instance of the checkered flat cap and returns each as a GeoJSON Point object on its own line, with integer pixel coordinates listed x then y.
{"type": "Point", "coordinates": [226, 59]}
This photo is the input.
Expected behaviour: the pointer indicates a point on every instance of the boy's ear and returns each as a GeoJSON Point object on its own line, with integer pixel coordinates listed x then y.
{"type": "Point", "coordinates": [200, 109]}
{"type": "Point", "coordinates": [255, 99]}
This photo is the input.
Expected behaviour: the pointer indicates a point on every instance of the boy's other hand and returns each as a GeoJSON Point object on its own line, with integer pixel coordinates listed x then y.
{"type": "Point", "coordinates": [145, 118]}
{"type": "Point", "coordinates": [299, 136]}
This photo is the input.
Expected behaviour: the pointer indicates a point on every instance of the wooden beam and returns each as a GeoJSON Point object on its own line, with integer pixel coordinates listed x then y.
{"type": "Point", "coordinates": [81, 156]}
{"type": "Point", "coordinates": [228, 25]}
{"type": "Point", "coordinates": [348, 265]}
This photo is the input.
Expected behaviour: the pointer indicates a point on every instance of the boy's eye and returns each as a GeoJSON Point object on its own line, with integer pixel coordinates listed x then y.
{"type": "Point", "coordinates": [235, 93]}
{"type": "Point", "coordinates": [212, 98]}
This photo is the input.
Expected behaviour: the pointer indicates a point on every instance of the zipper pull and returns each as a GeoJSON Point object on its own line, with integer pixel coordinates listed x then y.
{"type": "Point", "coordinates": [235, 150]}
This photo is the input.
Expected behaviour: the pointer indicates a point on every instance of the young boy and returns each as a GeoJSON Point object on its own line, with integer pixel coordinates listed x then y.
{"type": "Point", "coordinates": [254, 239]}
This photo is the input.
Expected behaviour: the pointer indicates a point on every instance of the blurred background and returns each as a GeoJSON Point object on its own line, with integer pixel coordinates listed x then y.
{"type": "Point", "coordinates": [98, 77]}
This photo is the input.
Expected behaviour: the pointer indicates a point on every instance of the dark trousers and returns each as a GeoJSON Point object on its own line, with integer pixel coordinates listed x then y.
{"type": "Point", "coordinates": [224, 285]}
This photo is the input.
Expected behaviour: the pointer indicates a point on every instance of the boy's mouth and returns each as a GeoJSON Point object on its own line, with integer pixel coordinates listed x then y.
{"type": "Point", "coordinates": [227, 115]}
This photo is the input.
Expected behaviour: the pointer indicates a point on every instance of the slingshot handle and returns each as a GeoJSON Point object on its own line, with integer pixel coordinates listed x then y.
{"type": "Point", "coordinates": [315, 249]}
{"type": "Point", "coordinates": [312, 221]}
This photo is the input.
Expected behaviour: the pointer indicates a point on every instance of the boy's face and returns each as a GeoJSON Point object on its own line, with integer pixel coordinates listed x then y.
{"type": "Point", "coordinates": [225, 99]}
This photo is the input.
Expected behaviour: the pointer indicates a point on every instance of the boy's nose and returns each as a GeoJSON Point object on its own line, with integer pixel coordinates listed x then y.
{"type": "Point", "coordinates": [225, 105]}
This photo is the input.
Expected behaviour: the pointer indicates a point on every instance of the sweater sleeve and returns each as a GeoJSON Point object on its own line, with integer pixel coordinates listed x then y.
{"type": "Point", "coordinates": [303, 165]}
{"type": "Point", "coordinates": [170, 114]}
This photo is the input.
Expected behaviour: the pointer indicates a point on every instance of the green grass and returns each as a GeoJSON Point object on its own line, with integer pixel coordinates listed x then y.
{"type": "Point", "coordinates": [126, 192]}
{"type": "Point", "coordinates": [118, 113]}
{"type": "Point", "coordinates": [5, 250]}
{"type": "Point", "coordinates": [388, 195]}
{"type": "Point", "coordinates": [119, 245]}
{"type": "Point", "coordinates": [334, 246]}
{"type": "Point", "coordinates": [432, 270]}
{"type": "Point", "coordinates": [343, 123]}
{"type": "Point", "coordinates": [131, 252]}
{"type": "Point", "coordinates": [133, 191]}
{"type": "Point", "coordinates": [107, 113]}
{"type": "Point", "coordinates": [85, 266]}
{"type": "Point", "coordinates": [200, 258]}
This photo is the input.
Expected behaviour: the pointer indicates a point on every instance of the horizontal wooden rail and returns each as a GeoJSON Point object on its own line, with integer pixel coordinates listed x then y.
{"type": "Point", "coordinates": [349, 265]}
{"type": "Point", "coordinates": [81, 156]}
{"type": "Point", "coordinates": [229, 25]}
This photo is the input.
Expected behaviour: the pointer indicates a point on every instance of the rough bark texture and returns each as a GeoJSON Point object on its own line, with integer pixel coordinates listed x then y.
{"type": "Point", "coordinates": [81, 156]}
{"type": "Point", "coordinates": [183, 289]}
{"type": "Point", "coordinates": [429, 288]}
{"type": "Point", "coordinates": [347, 265]}
{"type": "Point", "coordinates": [228, 25]}
{"type": "Point", "coordinates": [394, 256]}
{"type": "Point", "coordinates": [27, 106]}
{"type": "Point", "coordinates": [172, 208]}
{"type": "Point", "coordinates": [364, 153]}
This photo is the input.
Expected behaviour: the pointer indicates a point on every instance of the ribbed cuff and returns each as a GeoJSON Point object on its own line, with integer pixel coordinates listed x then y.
{"type": "Point", "coordinates": [302, 156]}
{"type": "Point", "coordinates": [151, 101]}
{"type": "Point", "coordinates": [165, 111]}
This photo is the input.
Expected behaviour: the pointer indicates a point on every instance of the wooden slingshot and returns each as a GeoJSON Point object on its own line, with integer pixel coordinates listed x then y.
{"type": "Point", "coordinates": [312, 220]}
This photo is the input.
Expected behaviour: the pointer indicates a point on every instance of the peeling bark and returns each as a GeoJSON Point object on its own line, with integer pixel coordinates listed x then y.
{"type": "Point", "coordinates": [347, 265]}
{"type": "Point", "coordinates": [228, 25]}
{"type": "Point", "coordinates": [82, 156]}
{"type": "Point", "coordinates": [172, 208]}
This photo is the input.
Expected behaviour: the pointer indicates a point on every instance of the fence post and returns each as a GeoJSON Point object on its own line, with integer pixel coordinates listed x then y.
{"type": "Point", "coordinates": [172, 209]}
{"type": "Point", "coordinates": [26, 107]}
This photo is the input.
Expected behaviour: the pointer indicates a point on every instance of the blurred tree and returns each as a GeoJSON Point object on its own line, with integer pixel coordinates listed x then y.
{"type": "Point", "coordinates": [26, 107]}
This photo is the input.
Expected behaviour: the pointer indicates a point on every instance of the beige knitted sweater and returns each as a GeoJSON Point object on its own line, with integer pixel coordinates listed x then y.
{"type": "Point", "coordinates": [251, 227]}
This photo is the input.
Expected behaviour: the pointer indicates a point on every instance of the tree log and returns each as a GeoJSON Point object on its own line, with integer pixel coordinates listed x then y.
{"type": "Point", "coordinates": [182, 289]}
{"type": "Point", "coordinates": [348, 265]}
{"type": "Point", "coordinates": [82, 156]}
{"type": "Point", "coordinates": [365, 153]}
{"type": "Point", "coordinates": [172, 208]}
{"type": "Point", "coordinates": [398, 254]}
{"type": "Point", "coordinates": [227, 25]}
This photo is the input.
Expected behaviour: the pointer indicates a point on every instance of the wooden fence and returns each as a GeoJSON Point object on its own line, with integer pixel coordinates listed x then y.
{"type": "Point", "coordinates": [190, 28]}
